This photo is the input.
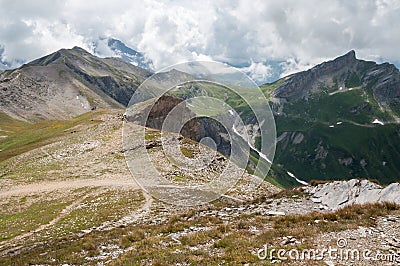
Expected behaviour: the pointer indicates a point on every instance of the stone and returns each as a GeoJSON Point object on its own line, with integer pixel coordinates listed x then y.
{"type": "Point", "coordinates": [316, 200]}
{"type": "Point", "coordinates": [341, 193]}
{"type": "Point", "coordinates": [275, 213]}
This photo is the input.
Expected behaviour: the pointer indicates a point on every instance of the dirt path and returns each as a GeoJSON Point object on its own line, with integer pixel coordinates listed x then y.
{"type": "Point", "coordinates": [67, 210]}
{"type": "Point", "coordinates": [343, 90]}
{"type": "Point", "coordinates": [126, 220]}
{"type": "Point", "coordinates": [12, 246]}
{"type": "Point", "coordinates": [49, 186]}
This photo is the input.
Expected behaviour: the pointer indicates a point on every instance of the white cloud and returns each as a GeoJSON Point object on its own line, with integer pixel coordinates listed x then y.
{"type": "Point", "coordinates": [291, 66]}
{"type": "Point", "coordinates": [302, 33]}
{"type": "Point", "coordinates": [101, 47]}
{"type": "Point", "coordinates": [259, 72]}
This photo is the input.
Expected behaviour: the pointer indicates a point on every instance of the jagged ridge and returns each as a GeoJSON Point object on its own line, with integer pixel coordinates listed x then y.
{"type": "Point", "coordinates": [345, 71]}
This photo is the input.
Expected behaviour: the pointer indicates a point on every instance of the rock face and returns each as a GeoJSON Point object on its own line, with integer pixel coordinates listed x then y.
{"type": "Point", "coordinates": [385, 82]}
{"type": "Point", "coordinates": [213, 129]}
{"type": "Point", "coordinates": [298, 85]}
{"type": "Point", "coordinates": [341, 193]}
{"type": "Point", "coordinates": [345, 71]}
{"type": "Point", "coordinates": [180, 114]}
{"type": "Point", "coordinates": [185, 121]}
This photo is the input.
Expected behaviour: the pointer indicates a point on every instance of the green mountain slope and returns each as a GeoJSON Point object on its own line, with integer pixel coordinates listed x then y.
{"type": "Point", "coordinates": [339, 120]}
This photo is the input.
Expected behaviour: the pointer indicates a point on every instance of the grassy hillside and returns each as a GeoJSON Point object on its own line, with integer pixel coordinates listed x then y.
{"type": "Point", "coordinates": [22, 137]}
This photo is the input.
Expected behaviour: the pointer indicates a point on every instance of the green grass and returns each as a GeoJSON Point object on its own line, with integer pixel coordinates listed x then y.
{"type": "Point", "coordinates": [374, 145]}
{"type": "Point", "coordinates": [38, 213]}
{"type": "Point", "coordinates": [212, 108]}
{"type": "Point", "coordinates": [151, 134]}
{"type": "Point", "coordinates": [337, 107]}
{"type": "Point", "coordinates": [187, 152]}
{"type": "Point", "coordinates": [8, 125]}
{"type": "Point", "coordinates": [97, 208]}
{"type": "Point", "coordinates": [269, 88]}
{"type": "Point", "coordinates": [106, 206]}
{"type": "Point", "coordinates": [26, 137]}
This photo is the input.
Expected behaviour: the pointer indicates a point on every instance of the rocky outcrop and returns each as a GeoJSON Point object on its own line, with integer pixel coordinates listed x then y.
{"type": "Point", "coordinates": [186, 122]}
{"type": "Point", "coordinates": [298, 85]}
{"type": "Point", "coordinates": [384, 81]}
{"type": "Point", "coordinates": [180, 114]}
{"type": "Point", "coordinates": [341, 193]}
{"type": "Point", "coordinates": [210, 127]}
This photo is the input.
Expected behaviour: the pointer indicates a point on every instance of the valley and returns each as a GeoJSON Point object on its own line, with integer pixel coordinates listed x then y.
{"type": "Point", "coordinates": [70, 190]}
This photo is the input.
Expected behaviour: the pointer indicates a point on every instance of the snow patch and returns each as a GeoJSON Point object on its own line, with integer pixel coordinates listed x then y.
{"type": "Point", "coordinates": [298, 180]}
{"type": "Point", "coordinates": [262, 155]}
{"type": "Point", "coordinates": [376, 121]}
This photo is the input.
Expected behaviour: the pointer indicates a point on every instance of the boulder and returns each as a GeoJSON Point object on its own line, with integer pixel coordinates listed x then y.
{"type": "Point", "coordinates": [341, 193]}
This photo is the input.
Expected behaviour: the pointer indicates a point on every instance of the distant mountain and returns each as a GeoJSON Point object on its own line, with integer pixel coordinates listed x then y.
{"type": "Point", "coordinates": [70, 82]}
{"type": "Point", "coordinates": [339, 120]}
{"type": "Point", "coordinates": [129, 55]}
{"type": "Point", "coordinates": [67, 83]}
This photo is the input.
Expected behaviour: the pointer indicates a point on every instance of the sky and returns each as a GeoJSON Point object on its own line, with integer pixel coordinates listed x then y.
{"type": "Point", "coordinates": [257, 35]}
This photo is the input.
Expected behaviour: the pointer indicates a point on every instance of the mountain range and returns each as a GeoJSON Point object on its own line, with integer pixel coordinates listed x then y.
{"type": "Point", "coordinates": [338, 120]}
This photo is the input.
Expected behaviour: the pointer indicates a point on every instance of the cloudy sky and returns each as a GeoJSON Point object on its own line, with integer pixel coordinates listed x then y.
{"type": "Point", "coordinates": [256, 34]}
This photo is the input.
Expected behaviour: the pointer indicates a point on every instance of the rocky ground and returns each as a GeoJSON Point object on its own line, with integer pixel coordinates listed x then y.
{"type": "Point", "coordinates": [73, 201]}
{"type": "Point", "coordinates": [365, 245]}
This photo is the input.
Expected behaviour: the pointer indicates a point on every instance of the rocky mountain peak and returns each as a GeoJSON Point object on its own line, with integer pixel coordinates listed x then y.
{"type": "Point", "coordinates": [129, 55]}
{"type": "Point", "coordinates": [298, 85]}
{"type": "Point", "coordinates": [345, 71]}
{"type": "Point", "coordinates": [67, 83]}
{"type": "Point", "coordinates": [79, 50]}
{"type": "Point", "coordinates": [58, 56]}
{"type": "Point", "coordinates": [349, 56]}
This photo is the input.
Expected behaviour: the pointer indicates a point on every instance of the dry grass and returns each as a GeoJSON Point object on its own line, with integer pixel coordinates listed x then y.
{"type": "Point", "coordinates": [187, 152]}
{"type": "Point", "coordinates": [289, 193]}
{"type": "Point", "coordinates": [234, 241]}
{"type": "Point", "coordinates": [315, 182]}
{"type": "Point", "coordinates": [231, 243]}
